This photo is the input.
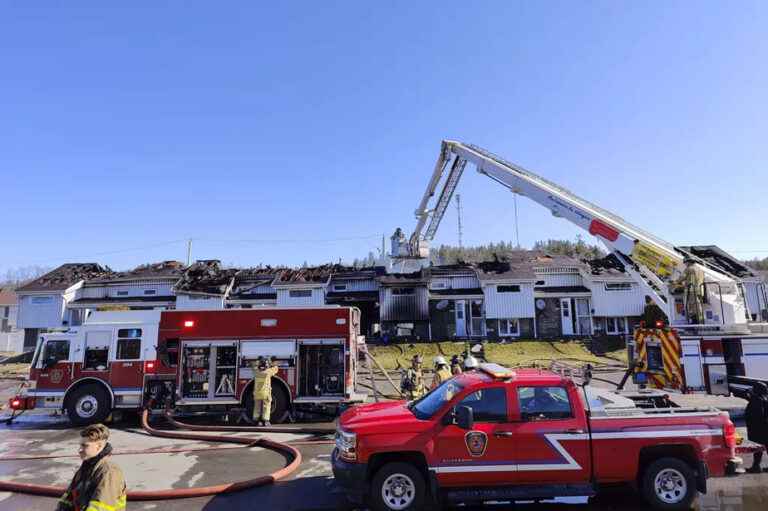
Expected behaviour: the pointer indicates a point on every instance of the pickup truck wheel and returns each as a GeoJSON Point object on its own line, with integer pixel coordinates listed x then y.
{"type": "Point", "coordinates": [88, 405]}
{"type": "Point", "coordinates": [669, 484]}
{"type": "Point", "coordinates": [397, 487]}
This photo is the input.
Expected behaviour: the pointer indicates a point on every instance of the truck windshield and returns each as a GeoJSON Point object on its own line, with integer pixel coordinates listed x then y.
{"type": "Point", "coordinates": [427, 406]}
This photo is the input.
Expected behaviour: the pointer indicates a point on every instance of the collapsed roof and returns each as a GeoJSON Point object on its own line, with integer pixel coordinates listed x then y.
{"type": "Point", "coordinates": [717, 257]}
{"type": "Point", "coordinates": [608, 265]}
{"type": "Point", "coordinates": [311, 275]}
{"type": "Point", "coordinates": [163, 269]}
{"type": "Point", "coordinates": [206, 277]}
{"type": "Point", "coordinates": [66, 276]}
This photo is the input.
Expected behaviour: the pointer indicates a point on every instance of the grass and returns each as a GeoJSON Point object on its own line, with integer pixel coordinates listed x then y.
{"type": "Point", "coordinates": [13, 371]}
{"type": "Point", "coordinates": [511, 354]}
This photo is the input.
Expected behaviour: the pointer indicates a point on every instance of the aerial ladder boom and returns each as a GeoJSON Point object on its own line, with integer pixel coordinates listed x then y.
{"type": "Point", "coordinates": [651, 261]}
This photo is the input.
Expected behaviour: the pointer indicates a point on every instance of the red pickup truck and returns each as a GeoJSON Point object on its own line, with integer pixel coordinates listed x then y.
{"type": "Point", "coordinates": [497, 435]}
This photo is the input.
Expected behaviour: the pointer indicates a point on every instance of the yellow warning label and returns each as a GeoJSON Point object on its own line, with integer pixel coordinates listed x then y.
{"type": "Point", "coordinates": [659, 263]}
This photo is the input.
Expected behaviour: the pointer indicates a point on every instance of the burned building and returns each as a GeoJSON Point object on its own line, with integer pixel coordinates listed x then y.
{"type": "Point", "coordinates": [455, 302]}
{"type": "Point", "coordinates": [204, 285]}
{"type": "Point", "coordinates": [253, 288]}
{"type": "Point", "coordinates": [357, 287]}
{"type": "Point", "coordinates": [404, 305]}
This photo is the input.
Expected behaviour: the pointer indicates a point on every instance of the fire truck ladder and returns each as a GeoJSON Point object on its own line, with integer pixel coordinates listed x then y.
{"type": "Point", "coordinates": [619, 236]}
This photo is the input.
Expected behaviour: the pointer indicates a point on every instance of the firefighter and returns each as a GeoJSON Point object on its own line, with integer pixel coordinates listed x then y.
{"type": "Point", "coordinates": [263, 371]}
{"type": "Point", "coordinates": [98, 484]}
{"type": "Point", "coordinates": [455, 365]}
{"type": "Point", "coordinates": [412, 382]}
{"type": "Point", "coordinates": [470, 363]}
{"type": "Point", "coordinates": [653, 313]}
{"type": "Point", "coordinates": [756, 416]}
{"type": "Point", "coordinates": [442, 373]}
{"type": "Point", "coordinates": [693, 292]}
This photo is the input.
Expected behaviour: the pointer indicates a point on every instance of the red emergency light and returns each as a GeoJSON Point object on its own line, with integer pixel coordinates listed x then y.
{"type": "Point", "coordinates": [15, 404]}
{"type": "Point", "coordinates": [149, 366]}
{"type": "Point", "coordinates": [659, 323]}
{"type": "Point", "coordinates": [189, 323]}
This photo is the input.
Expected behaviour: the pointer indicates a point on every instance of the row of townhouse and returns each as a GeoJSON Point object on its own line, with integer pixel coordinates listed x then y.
{"type": "Point", "coordinates": [525, 294]}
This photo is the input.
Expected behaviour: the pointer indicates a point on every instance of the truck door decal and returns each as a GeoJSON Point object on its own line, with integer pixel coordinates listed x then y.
{"type": "Point", "coordinates": [476, 442]}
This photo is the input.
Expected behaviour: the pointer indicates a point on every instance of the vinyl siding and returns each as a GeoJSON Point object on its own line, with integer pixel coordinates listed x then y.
{"type": "Point", "coordinates": [40, 315]}
{"type": "Point", "coordinates": [354, 285]}
{"type": "Point", "coordinates": [190, 302]}
{"type": "Point", "coordinates": [133, 289]}
{"type": "Point", "coordinates": [284, 299]}
{"type": "Point", "coordinates": [509, 305]}
{"type": "Point", "coordinates": [616, 303]}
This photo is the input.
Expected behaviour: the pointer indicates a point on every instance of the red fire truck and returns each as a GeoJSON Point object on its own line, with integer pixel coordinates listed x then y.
{"type": "Point", "coordinates": [197, 360]}
{"type": "Point", "coordinates": [498, 435]}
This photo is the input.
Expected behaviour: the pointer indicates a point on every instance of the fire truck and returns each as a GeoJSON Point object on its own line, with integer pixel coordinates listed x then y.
{"type": "Point", "coordinates": [195, 361]}
{"type": "Point", "coordinates": [726, 345]}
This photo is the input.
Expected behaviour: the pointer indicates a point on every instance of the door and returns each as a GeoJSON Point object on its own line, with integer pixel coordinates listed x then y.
{"type": "Point", "coordinates": [461, 319]}
{"type": "Point", "coordinates": [482, 456]}
{"type": "Point", "coordinates": [694, 376]}
{"type": "Point", "coordinates": [566, 316]}
{"type": "Point", "coordinates": [54, 366]}
{"type": "Point", "coordinates": [584, 317]}
{"type": "Point", "coordinates": [551, 443]}
{"type": "Point", "coordinates": [127, 367]}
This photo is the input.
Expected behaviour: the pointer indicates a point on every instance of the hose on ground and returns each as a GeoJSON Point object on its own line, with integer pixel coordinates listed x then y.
{"type": "Point", "coordinates": [290, 452]}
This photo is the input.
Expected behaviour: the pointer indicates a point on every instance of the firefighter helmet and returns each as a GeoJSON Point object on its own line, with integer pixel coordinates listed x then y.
{"type": "Point", "coordinates": [471, 363]}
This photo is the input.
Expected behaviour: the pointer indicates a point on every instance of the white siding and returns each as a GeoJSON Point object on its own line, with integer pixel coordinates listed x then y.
{"type": "Point", "coordinates": [41, 315]}
{"type": "Point", "coordinates": [559, 280]}
{"type": "Point", "coordinates": [192, 302]}
{"type": "Point", "coordinates": [128, 289]}
{"type": "Point", "coordinates": [284, 299]}
{"type": "Point", "coordinates": [509, 305]}
{"type": "Point", "coordinates": [629, 302]}
{"type": "Point", "coordinates": [354, 284]}
{"type": "Point", "coordinates": [12, 342]}
{"type": "Point", "coordinates": [457, 282]}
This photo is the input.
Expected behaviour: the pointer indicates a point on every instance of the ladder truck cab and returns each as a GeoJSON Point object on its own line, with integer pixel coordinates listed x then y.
{"type": "Point", "coordinates": [698, 289]}
{"type": "Point", "coordinates": [195, 361]}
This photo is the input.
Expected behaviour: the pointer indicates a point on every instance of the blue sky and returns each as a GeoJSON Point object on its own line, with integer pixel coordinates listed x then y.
{"type": "Point", "coordinates": [126, 129]}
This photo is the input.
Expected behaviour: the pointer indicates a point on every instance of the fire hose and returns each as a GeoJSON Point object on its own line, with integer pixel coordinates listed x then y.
{"type": "Point", "coordinates": [287, 450]}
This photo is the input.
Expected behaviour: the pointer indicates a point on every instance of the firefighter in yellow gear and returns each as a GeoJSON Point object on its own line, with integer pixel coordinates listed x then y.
{"type": "Point", "coordinates": [412, 382]}
{"type": "Point", "coordinates": [442, 373]}
{"type": "Point", "coordinates": [98, 484]}
{"type": "Point", "coordinates": [652, 314]}
{"type": "Point", "coordinates": [455, 365]}
{"type": "Point", "coordinates": [693, 292]}
{"type": "Point", "coordinates": [263, 371]}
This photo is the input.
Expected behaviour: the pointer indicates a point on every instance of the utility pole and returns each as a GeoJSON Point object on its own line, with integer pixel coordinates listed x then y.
{"type": "Point", "coordinates": [458, 210]}
{"type": "Point", "coordinates": [189, 251]}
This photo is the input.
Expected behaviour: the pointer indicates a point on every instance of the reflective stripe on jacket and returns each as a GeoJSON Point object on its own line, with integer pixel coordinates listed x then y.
{"type": "Point", "coordinates": [98, 485]}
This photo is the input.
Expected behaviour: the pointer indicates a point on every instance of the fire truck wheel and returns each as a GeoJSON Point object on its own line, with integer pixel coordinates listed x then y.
{"type": "Point", "coordinates": [280, 404]}
{"type": "Point", "coordinates": [88, 405]}
{"type": "Point", "coordinates": [669, 484]}
{"type": "Point", "coordinates": [397, 487]}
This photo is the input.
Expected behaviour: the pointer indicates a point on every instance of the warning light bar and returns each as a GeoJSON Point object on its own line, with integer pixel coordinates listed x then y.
{"type": "Point", "coordinates": [497, 371]}
{"type": "Point", "coordinates": [189, 323]}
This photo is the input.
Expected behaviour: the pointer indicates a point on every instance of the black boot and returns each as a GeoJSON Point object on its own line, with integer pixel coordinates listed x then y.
{"type": "Point", "coordinates": [755, 468]}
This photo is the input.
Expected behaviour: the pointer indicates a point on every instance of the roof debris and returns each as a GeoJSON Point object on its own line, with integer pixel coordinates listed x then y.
{"type": "Point", "coordinates": [206, 277]}
{"type": "Point", "coordinates": [66, 276]}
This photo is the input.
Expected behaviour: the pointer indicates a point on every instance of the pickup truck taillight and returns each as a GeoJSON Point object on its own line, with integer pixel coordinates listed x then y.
{"type": "Point", "coordinates": [729, 435]}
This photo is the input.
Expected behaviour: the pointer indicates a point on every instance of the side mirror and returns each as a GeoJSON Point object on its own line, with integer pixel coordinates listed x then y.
{"type": "Point", "coordinates": [465, 417]}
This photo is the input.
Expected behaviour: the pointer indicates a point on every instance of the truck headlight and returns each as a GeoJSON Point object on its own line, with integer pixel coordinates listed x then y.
{"type": "Point", "coordinates": [346, 442]}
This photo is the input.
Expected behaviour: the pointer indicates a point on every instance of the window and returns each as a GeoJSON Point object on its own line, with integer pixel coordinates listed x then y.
{"type": "Point", "coordinates": [615, 325]}
{"type": "Point", "coordinates": [403, 291]}
{"type": "Point", "coordinates": [618, 286]}
{"type": "Point", "coordinates": [508, 289]}
{"type": "Point", "coordinates": [340, 287]}
{"type": "Point", "coordinates": [438, 285]}
{"type": "Point", "coordinates": [541, 282]}
{"type": "Point", "coordinates": [542, 403]}
{"type": "Point", "coordinates": [509, 326]}
{"type": "Point", "coordinates": [150, 291]}
{"type": "Point", "coordinates": [55, 351]}
{"type": "Point", "coordinates": [128, 344]}
{"type": "Point", "coordinates": [6, 311]}
{"type": "Point", "coordinates": [41, 300]}
{"type": "Point", "coordinates": [488, 405]}
{"type": "Point", "coordinates": [300, 293]}
{"type": "Point", "coordinates": [122, 293]}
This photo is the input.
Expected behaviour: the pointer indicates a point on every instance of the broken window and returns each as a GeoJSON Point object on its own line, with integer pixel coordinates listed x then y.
{"type": "Point", "coordinates": [618, 286]}
{"type": "Point", "coordinates": [300, 293]}
{"type": "Point", "coordinates": [508, 289]}
{"type": "Point", "coordinates": [340, 287]}
{"type": "Point", "coordinates": [128, 344]}
{"type": "Point", "coordinates": [403, 291]}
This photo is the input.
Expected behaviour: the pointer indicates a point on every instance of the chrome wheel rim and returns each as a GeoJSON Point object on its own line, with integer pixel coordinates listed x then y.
{"type": "Point", "coordinates": [87, 406]}
{"type": "Point", "coordinates": [670, 486]}
{"type": "Point", "coordinates": [398, 491]}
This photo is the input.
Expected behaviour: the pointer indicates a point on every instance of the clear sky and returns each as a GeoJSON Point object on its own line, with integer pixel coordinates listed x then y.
{"type": "Point", "coordinates": [126, 129]}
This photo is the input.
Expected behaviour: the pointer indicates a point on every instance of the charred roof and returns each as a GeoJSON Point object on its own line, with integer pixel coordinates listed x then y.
{"type": "Point", "coordinates": [206, 277]}
{"type": "Point", "coordinates": [608, 265]}
{"type": "Point", "coordinates": [310, 275]}
{"type": "Point", "coordinates": [66, 276]}
{"type": "Point", "coordinates": [161, 270]}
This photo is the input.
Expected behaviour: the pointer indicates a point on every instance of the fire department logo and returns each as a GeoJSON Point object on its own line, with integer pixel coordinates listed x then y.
{"type": "Point", "coordinates": [57, 375]}
{"type": "Point", "coordinates": [476, 442]}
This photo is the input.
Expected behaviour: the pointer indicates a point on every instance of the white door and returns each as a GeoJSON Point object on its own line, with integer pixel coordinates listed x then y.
{"type": "Point", "coordinates": [694, 377]}
{"type": "Point", "coordinates": [583, 317]}
{"type": "Point", "coordinates": [461, 320]}
{"type": "Point", "coordinates": [566, 315]}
